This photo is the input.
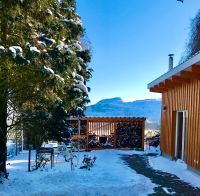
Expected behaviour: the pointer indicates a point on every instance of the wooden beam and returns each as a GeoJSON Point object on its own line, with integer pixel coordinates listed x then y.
{"type": "Point", "coordinates": [156, 90]}
{"type": "Point", "coordinates": [169, 84]}
{"type": "Point", "coordinates": [195, 69]}
{"type": "Point", "coordinates": [180, 80]}
{"type": "Point", "coordinates": [172, 83]}
{"type": "Point", "coordinates": [166, 85]}
{"type": "Point", "coordinates": [190, 75]}
{"type": "Point", "coordinates": [162, 86]}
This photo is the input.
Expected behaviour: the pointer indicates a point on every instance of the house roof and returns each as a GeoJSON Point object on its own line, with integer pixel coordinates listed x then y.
{"type": "Point", "coordinates": [185, 72]}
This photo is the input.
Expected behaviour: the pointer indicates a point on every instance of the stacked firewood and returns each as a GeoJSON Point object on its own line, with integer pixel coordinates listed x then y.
{"type": "Point", "coordinates": [93, 142]}
{"type": "Point", "coordinates": [101, 141]}
{"type": "Point", "coordinates": [128, 135]}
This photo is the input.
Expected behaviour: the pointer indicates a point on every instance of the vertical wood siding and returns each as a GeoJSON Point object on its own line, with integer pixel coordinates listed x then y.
{"type": "Point", "coordinates": [184, 97]}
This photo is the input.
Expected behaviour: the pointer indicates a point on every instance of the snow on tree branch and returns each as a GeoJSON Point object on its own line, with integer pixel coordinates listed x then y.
{"type": "Point", "coordinates": [82, 86]}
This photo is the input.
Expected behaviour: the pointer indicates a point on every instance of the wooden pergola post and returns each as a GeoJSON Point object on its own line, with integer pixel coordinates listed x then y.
{"type": "Point", "coordinates": [87, 135]}
{"type": "Point", "coordinates": [115, 135]}
{"type": "Point", "coordinates": [143, 130]}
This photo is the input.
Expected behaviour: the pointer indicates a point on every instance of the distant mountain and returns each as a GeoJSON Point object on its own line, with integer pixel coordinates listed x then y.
{"type": "Point", "coordinates": [149, 108]}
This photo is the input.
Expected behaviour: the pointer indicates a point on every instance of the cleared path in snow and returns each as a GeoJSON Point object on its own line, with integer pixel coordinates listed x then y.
{"type": "Point", "coordinates": [168, 184]}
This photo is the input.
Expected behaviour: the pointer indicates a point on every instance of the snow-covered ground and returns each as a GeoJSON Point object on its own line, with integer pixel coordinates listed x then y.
{"type": "Point", "coordinates": [11, 148]}
{"type": "Point", "coordinates": [109, 176]}
{"type": "Point", "coordinates": [179, 168]}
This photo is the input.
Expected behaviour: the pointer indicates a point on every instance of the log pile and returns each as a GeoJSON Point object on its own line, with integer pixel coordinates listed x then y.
{"type": "Point", "coordinates": [101, 141]}
{"type": "Point", "coordinates": [128, 135]}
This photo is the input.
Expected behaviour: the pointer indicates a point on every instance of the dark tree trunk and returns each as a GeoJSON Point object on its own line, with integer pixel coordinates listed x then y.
{"type": "Point", "coordinates": [3, 94]}
{"type": "Point", "coordinates": [3, 133]}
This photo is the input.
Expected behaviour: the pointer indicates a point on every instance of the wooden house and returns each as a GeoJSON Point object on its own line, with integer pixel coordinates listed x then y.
{"type": "Point", "coordinates": [180, 112]}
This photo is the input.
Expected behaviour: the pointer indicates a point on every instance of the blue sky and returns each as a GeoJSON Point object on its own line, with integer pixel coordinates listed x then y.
{"type": "Point", "coordinates": [131, 40]}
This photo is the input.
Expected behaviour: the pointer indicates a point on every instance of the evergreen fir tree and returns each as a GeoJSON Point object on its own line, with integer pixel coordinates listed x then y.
{"type": "Point", "coordinates": [43, 68]}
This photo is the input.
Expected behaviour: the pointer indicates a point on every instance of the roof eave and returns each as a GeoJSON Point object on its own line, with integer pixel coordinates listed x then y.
{"type": "Point", "coordinates": [194, 60]}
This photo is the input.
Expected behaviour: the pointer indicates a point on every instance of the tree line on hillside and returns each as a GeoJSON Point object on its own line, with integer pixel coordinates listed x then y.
{"type": "Point", "coordinates": [43, 69]}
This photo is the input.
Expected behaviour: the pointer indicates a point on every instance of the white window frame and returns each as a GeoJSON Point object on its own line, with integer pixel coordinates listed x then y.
{"type": "Point", "coordinates": [183, 133]}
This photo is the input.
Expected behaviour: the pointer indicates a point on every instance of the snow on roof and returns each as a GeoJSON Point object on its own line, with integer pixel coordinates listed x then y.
{"type": "Point", "coordinates": [193, 60]}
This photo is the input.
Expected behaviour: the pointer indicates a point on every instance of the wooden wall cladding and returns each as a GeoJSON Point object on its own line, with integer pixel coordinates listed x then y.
{"type": "Point", "coordinates": [183, 97]}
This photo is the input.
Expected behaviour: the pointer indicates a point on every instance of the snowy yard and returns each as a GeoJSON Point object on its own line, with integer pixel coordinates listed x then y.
{"type": "Point", "coordinates": [109, 176]}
